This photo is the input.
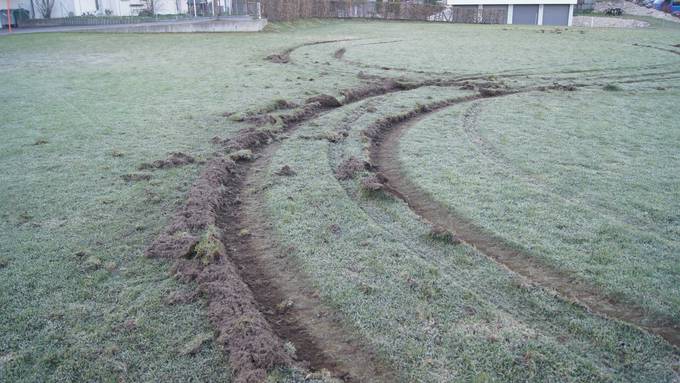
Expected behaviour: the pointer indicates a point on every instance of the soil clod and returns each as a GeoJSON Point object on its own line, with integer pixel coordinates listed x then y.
{"type": "Point", "coordinates": [440, 233]}
{"type": "Point", "coordinates": [373, 183]}
{"type": "Point", "coordinates": [249, 138]}
{"type": "Point", "coordinates": [285, 171]}
{"type": "Point", "coordinates": [339, 53]}
{"type": "Point", "coordinates": [324, 100]}
{"type": "Point", "coordinates": [242, 155]}
{"type": "Point", "coordinates": [349, 168]}
{"type": "Point", "coordinates": [175, 159]}
{"type": "Point", "coordinates": [193, 238]}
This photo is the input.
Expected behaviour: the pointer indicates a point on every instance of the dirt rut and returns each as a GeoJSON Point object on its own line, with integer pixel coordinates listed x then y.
{"type": "Point", "coordinates": [216, 241]}
{"type": "Point", "coordinates": [385, 136]}
{"type": "Point", "coordinates": [283, 57]}
{"type": "Point", "coordinates": [284, 295]}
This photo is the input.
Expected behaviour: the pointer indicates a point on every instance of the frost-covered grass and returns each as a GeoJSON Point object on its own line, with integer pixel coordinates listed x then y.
{"type": "Point", "coordinates": [78, 300]}
{"type": "Point", "coordinates": [589, 187]}
{"type": "Point", "coordinates": [436, 311]}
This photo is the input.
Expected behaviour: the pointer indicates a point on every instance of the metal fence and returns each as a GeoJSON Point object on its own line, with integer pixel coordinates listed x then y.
{"type": "Point", "coordinates": [284, 10]}
{"type": "Point", "coordinates": [196, 10]}
{"type": "Point", "coordinates": [275, 10]}
{"type": "Point", "coordinates": [100, 20]}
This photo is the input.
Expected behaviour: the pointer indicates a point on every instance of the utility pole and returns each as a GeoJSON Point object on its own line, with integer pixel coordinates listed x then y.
{"type": "Point", "coordinates": [194, 8]}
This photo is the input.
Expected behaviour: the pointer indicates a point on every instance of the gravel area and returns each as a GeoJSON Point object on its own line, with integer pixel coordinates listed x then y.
{"type": "Point", "coordinates": [633, 9]}
{"type": "Point", "coordinates": [607, 22]}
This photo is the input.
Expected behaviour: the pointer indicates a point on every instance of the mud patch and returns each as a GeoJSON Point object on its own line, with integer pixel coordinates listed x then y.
{"type": "Point", "coordinates": [249, 138]}
{"type": "Point", "coordinates": [339, 53]}
{"type": "Point", "coordinates": [329, 136]}
{"type": "Point", "coordinates": [349, 168]}
{"type": "Point", "coordinates": [283, 57]}
{"type": "Point", "coordinates": [383, 87]}
{"type": "Point", "coordinates": [175, 159]}
{"type": "Point", "coordinates": [242, 330]}
{"type": "Point", "coordinates": [373, 183]}
{"type": "Point", "coordinates": [324, 100]}
{"type": "Point", "coordinates": [442, 234]}
{"type": "Point", "coordinates": [242, 155]}
{"type": "Point", "coordinates": [492, 92]}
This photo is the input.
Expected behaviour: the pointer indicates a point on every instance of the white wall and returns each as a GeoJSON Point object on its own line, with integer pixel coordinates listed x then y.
{"type": "Point", "coordinates": [504, 2]}
{"type": "Point", "coordinates": [61, 8]}
{"type": "Point", "coordinates": [165, 7]}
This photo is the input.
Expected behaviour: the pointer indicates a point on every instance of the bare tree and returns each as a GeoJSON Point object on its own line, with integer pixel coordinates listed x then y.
{"type": "Point", "coordinates": [44, 7]}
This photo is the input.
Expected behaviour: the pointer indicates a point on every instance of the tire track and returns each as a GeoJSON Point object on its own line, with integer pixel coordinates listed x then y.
{"type": "Point", "coordinates": [286, 298]}
{"type": "Point", "coordinates": [383, 153]}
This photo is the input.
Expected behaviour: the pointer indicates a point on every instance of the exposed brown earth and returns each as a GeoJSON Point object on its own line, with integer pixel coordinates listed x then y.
{"type": "Point", "coordinates": [175, 159]}
{"type": "Point", "coordinates": [283, 57]}
{"type": "Point", "coordinates": [210, 241]}
{"type": "Point", "coordinates": [348, 168]}
{"type": "Point", "coordinates": [286, 299]}
{"type": "Point", "coordinates": [243, 331]}
{"type": "Point", "coordinates": [385, 136]}
{"type": "Point", "coordinates": [339, 53]}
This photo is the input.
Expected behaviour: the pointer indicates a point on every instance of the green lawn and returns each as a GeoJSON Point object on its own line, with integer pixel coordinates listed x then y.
{"type": "Point", "coordinates": [79, 302]}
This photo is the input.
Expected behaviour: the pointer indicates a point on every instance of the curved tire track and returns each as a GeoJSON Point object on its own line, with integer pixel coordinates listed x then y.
{"type": "Point", "coordinates": [384, 156]}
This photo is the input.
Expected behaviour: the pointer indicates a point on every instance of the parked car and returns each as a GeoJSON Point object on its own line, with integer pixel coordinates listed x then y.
{"type": "Point", "coordinates": [674, 6]}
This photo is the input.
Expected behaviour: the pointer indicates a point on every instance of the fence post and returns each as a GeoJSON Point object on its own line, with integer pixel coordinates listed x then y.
{"type": "Point", "coordinates": [9, 17]}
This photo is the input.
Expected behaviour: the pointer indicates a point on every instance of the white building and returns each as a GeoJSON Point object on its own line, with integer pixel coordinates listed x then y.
{"type": "Point", "coordinates": [70, 8]}
{"type": "Point", "coordinates": [532, 12]}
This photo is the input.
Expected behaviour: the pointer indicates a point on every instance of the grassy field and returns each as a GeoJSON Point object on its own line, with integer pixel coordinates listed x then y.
{"type": "Point", "coordinates": [79, 302]}
{"type": "Point", "coordinates": [597, 199]}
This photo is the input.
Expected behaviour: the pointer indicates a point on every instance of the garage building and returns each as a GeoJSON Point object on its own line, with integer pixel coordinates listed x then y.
{"type": "Point", "coordinates": [529, 12]}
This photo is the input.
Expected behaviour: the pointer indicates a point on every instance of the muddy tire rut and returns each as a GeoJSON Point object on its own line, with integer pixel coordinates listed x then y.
{"type": "Point", "coordinates": [257, 298]}
{"type": "Point", "coordinates": [284, 295]}
{"type": "Point", "coordinates": [256, 301]}
{"type": "Point", "coordinates": [385, 158]}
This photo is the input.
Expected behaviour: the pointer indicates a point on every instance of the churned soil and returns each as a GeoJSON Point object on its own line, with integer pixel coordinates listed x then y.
{"type": "Point", "coordinates": [243, 331]}
{"type": "Point", "coordinates": [175, 159]}
{"type": "Point", "coordinates": [217, 243]}
{"type": "Point", "coordinates": [349, 168]}
{"type": "Point", "coordinates": [283, 57]}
